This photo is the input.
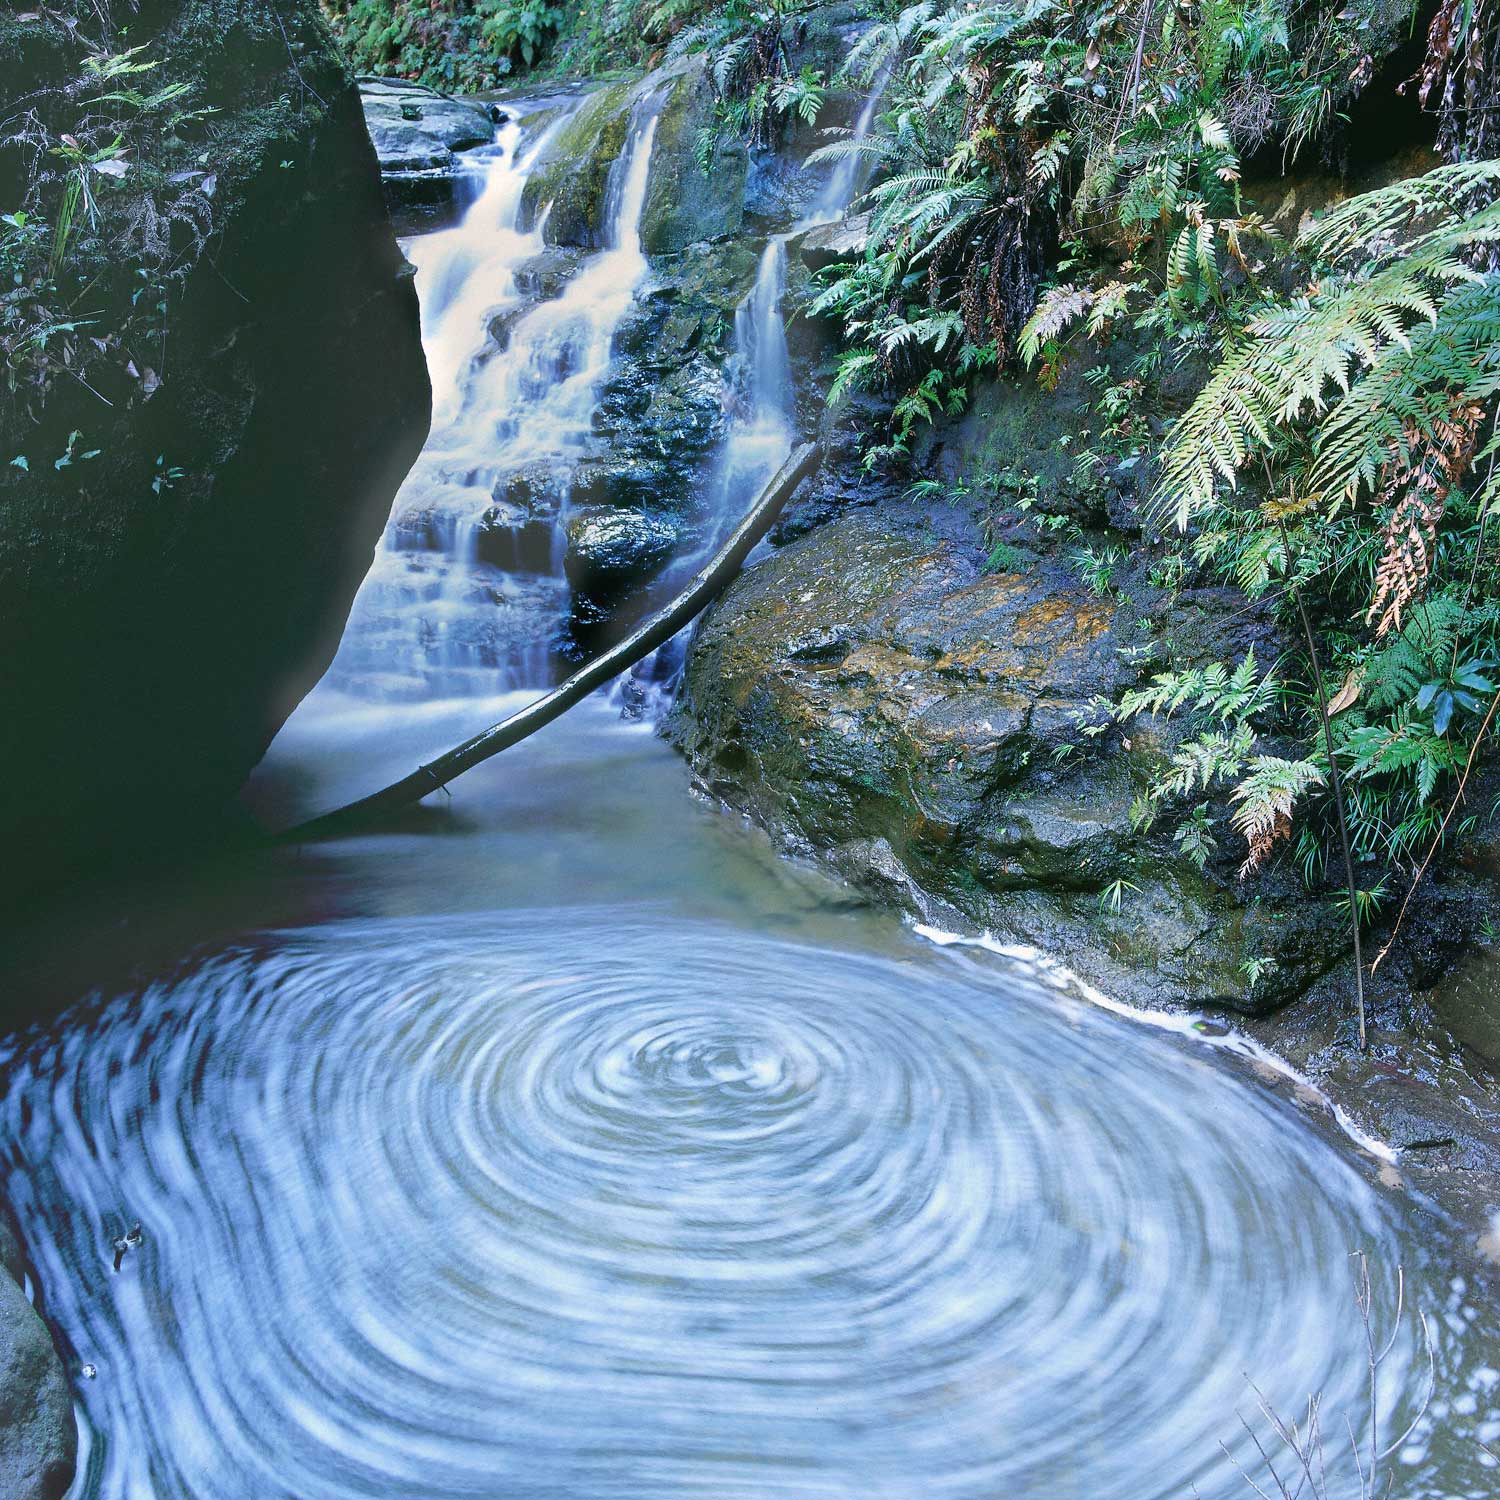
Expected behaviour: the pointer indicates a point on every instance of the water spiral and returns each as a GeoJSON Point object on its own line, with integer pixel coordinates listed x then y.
{"type": "Point", "coordinates": [606, 1206]}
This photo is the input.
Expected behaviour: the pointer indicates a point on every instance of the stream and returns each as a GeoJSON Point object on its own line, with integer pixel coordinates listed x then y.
{"type": "Point", "coordinates": [562, 1139]}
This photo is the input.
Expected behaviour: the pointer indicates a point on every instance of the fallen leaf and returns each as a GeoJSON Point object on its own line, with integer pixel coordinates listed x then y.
{"type": "Point", "coordinates": [1348, 694]}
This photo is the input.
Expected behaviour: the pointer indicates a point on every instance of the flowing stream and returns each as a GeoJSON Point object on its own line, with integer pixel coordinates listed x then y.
{"type": "Point", "coordinates": [566, 1141]}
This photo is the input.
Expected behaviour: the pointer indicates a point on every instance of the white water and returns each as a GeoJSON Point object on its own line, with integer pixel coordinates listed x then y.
{"type": "Point", "coordinates": [851, 172]}
{"type": "Point", "coordinates": [765, 425]}
{"type": "Point", "coordinates": [465, 597]}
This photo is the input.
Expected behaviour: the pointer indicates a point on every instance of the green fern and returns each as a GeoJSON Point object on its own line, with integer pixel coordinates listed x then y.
{"type": "Point", "coordinates": [1361, 358]}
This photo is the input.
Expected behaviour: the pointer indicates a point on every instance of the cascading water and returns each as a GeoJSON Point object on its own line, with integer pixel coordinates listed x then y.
{"type": "Point", "coordinates": [852, 170]}
{"type": "Point", "coordinates": [466, 596]}
{"type": "Point", "coordinates": [760, 393]}
{"type": "Point", "coordinates": [763, 423]}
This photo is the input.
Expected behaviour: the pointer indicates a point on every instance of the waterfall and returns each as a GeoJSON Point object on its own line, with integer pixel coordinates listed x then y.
{"type": "Point", "coordinates": [763, 422]}
{"type": "Point", "coordinates": [466, 596]}
{"type": "Point", "coordinates": [850, 173]}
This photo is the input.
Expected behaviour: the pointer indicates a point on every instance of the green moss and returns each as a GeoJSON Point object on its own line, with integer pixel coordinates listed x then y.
{"type": "Point", "coordinates": [574, 177]}
{"type": "Point", "coordinates": [685, 204]}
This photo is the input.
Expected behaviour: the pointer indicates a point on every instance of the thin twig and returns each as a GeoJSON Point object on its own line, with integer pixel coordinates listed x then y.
{"type": "Point", "coordinates": [1336, 781]}
{"type": "Point", "coordinates": [1458, 797]}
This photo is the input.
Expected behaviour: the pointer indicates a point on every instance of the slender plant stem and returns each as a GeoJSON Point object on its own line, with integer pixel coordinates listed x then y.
{"type": "Point", "coordinates": [1432, 848]}
{"type": "Point", "coordinates": [1336, 781]}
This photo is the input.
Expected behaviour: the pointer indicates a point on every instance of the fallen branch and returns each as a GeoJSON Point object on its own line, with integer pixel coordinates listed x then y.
{"type": "Point", "coordinates": [705, 586]}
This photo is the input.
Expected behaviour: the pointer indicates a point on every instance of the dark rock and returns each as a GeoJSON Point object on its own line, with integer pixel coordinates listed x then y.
{"type": "Point", "coordinates": [166, 604]}
{"type": "Point", "coordinates": [610, 551]}
{"type": "Point", "coordinates": [515, 540]}
{"type": "Point", "coordinates": [537, 490]}
{"type": "Point", "coordinates": [38, 1435]}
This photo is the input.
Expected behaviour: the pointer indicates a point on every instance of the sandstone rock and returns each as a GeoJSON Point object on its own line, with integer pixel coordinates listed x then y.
{"type": "Point", "coordinates": [165, 604]}
{"type": "Point", "coordinates": [872, 693]}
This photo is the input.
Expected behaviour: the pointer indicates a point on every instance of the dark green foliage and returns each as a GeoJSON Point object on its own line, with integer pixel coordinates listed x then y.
{"type": "Point", "coordinates": [478, 44]}
{"type": "Point", "coordinates": [117, 164]}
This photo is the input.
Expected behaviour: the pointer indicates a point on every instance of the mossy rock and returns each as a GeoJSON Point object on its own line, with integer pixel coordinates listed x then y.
{"type": "Point", "coordinates": [686, 205]}
{"type": "Point", "coordinates": [573, 175]}
{"type": "Point", "coordinates": [871, 692]}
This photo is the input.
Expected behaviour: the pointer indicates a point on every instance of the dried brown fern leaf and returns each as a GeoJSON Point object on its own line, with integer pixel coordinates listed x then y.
{"type": "Point", "coordinates": [1262, 838]}
{"type": "Point", "coordinates": [1418, 481]}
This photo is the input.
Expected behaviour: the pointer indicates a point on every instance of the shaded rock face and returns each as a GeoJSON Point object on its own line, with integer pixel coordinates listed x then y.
{"type": "Point", "coordinates": [165, 605]}
{"type": "Point", "coordinates": [871, 693]}
{"type": "Point", "coordinates": [38, 1435]}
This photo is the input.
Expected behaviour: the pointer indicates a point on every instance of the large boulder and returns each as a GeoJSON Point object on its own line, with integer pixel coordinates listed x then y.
{"type": "Point", "coordinates": [38, 1436]}
{"type": "Point", "coordinates": [876, 694]}
{"type": "Point", "coordinates": [176, 566]}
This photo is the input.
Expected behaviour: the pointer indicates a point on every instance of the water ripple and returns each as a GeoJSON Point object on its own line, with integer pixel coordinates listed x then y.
{"type": "Point", "coordinates": [596, 1207]}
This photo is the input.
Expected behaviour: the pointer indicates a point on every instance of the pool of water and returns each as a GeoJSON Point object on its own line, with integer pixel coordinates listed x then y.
{"type": "Point", "coordinates": [563, 1140]}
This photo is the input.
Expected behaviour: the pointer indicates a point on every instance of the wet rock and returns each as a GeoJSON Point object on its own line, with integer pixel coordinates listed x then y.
{"type": "Point", "coordinates": [570, 183]}
{"type": "Point", "coordinates": [688, 203]}
{"type": "Point", "coordinates": [829, 244]}
{"type": "Point", "coordinates": [538, 490]}
{"type": "Point", "coordinates": [514, 539]}
{"type": "Point", "coordinates": [872, 693]}
{"type": "Point", "coordinates": [611, 551]}
{"type": "Point", "coordinates": [544, 276]}
{"type": "Point", "coordinates": [685, 204]}
{"type": "Point", "coordinates": [416, 131]}
{"type": "Point", "coordinates": [38, 1436]}
{"type": "Point", "coordinates": [778, 188]}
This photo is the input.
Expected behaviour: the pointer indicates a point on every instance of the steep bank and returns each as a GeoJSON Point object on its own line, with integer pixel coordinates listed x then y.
{"type": "Point", "coordinates": [193, 479]}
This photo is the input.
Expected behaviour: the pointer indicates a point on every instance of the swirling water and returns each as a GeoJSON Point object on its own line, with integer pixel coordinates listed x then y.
{"type": "Point", "coordinates": [579, 1146]}
{"type": "Point", "coordinates": [566, 1142]}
